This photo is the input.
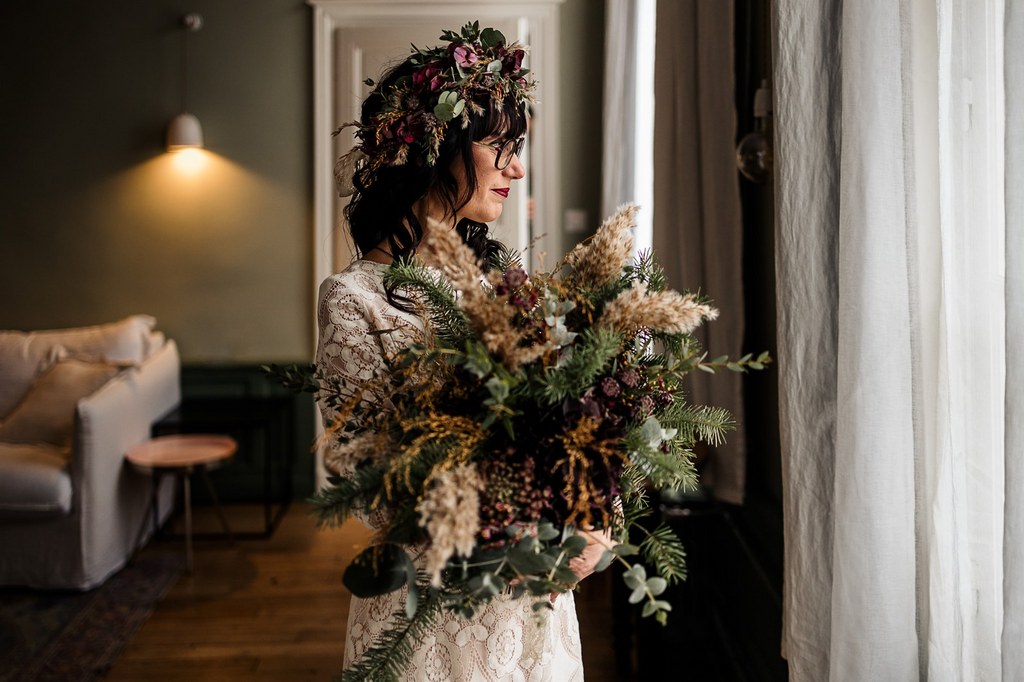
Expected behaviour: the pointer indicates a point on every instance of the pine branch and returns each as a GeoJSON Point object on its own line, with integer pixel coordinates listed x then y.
{"type": "Point", "coordinates": [663, 550]}
{"type": "Point", "coordinates": [506, 259]}
{"type": "Point", "coordinates": [295, 378]}
{"type": "Point", "coordinates": [636, 504]}
{"type": "Point", "coordinates": [390, 656]}
{"type": "Point", "coordinates": [665, 470]}
{"type": "Point", "coordinates": [703, 423]}
{"type": "Point", "coordinates": [646, 269]}
{"type": "Point", "coordinates": [334, 504]}
{"type": "Point", "coordinates": [449, 322]}
{"type": "Point", "coordinates": [591, 354]}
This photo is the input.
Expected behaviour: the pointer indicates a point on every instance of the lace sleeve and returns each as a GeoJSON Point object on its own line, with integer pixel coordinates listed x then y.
{"type": "Point", "coordinates": [358, 330]}
{"type": "Point", "coordinates": [346, 350]}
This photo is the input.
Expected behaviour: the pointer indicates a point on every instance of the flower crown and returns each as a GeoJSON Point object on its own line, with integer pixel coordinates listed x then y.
{"type": "Point", "coordinates": [445, 86]}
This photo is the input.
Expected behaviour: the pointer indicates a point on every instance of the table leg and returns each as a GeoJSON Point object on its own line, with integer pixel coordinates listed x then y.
{"type": "Point", "coordinates": [216, 503]}
{"type": "Point", "coordinates": [186, 482]}
{"type": "Point", "coordinates": [154, 481]}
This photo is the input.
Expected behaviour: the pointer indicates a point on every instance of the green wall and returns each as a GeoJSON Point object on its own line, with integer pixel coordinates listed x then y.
{"type": "Point", "coordinates": [96, 222]}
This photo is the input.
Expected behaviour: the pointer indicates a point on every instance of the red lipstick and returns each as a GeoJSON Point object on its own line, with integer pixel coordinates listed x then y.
{"type": "Point", "coordinates": [503, 192]}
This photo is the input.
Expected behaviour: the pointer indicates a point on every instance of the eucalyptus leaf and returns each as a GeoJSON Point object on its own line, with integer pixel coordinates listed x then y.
{"type": "Point", "coordinates": [546, 531]}
{"type": "Point", "coordinates": [637, 595]}
{"type": "Point", "coordinates": [528, 563]}
{"type": "Point", "coordinates": [656, 585]}
{"type": "Point", "coordinates": [575, 545]}
{"type": "Point", "coordinates": [625, 549]}
{"type": "Point", "coordinates": [564, 574]}
{"type": "Point", "coordinates": [443, 112]}
{"type": "Point", "coordinates": [649, 609]}
{"type": "Point", "coordinates": [605, 561]}
{"type": "Point", "coordinates": [491, 37]}
{"type": "Point", "coordinates": [377, 570]}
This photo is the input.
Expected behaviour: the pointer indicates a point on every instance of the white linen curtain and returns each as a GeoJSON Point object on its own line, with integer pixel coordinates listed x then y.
{"type": "Point", "coordinates": [626, 164]}
{"type": "Point", "coordinates": [698, 226]}
{"type": "Point", "coordinates": [1013, 533]}
{"type": "Point", "coordinates": [895, 326]}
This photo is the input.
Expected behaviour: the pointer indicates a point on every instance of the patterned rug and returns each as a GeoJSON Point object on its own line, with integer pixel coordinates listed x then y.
{"type": "Point", "coordinates": [68, 636]}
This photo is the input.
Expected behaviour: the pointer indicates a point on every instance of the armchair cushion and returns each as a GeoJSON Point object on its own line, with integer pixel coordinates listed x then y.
{"type": "Point", "coordinates": [22, 354]}
{"type": "Point", "coordinates": [34, 479]}
{"type": "Point", "coordinates": [47, 412]}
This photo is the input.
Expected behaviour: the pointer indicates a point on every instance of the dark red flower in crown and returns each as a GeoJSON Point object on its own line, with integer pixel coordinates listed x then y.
{"type": "Point", "coordinates": [513, 61]}
{"type": "Point", "coordinates": [429, 78]}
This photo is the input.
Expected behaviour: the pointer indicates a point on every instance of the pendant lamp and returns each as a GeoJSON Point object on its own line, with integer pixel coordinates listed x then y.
{"type": "Point", "coordinates": [185, 131]}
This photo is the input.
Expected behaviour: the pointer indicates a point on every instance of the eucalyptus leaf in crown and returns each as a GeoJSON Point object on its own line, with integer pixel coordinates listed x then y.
{"type": "Point", "coordinates": [534, 407]}
{"type": "Point", "coordinates": [446, 87]}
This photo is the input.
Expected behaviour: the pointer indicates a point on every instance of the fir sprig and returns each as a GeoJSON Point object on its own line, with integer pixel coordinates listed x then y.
{"type": "Point", "coordinates": [590, 355]}
{"type": "Point", "coordinates": [389, 657]}
{"type": "Point", "coordinates": [704, 423]}
{"type": "Point", "coordinates": [334, 504]}
{"type": "Point", "coordinates": [447, 320]}
{"type": "Point", "coordinates": [663, 550]}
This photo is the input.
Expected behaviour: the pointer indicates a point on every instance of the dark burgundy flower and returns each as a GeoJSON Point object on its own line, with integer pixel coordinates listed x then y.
{"type": "Point", "coordinates": [513, 61]}
{"type": "Point", "coordinates": [430, 77]}
{"type": "Point", "coordinates": [610, 387]}
{"type": "Point", "coordinates": [411, 128]}
{"type": "Point", "coordinates": [514, 277]}
{"type": "Point", "coordinates": [630, 377]}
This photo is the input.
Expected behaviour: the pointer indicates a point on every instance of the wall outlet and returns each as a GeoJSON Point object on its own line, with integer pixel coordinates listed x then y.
{"type": "Point", "coordinates": [575, 221]}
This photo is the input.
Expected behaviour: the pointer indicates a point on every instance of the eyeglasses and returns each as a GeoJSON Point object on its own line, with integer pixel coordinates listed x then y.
{"type": "Point", "coordinates": [504, 151]}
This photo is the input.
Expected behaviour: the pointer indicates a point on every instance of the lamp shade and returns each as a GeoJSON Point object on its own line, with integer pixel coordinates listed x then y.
{"type": "Point", "coordinates": [184, 132]}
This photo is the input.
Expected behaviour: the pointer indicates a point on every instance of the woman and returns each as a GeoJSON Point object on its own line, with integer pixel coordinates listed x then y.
{"type": "Point", "coordinates": [439, 139]}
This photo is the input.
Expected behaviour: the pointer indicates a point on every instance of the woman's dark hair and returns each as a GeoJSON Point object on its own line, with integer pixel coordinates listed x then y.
{"type": "Point", "coordinates": [381, 209]}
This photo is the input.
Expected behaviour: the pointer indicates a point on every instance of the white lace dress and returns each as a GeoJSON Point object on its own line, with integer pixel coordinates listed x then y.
{"type": "Point", "coordinates": [503, 641]}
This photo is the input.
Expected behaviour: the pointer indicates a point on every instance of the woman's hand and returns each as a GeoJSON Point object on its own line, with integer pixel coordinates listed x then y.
{"type": "Point", "coordinates": [583, 565]}
{"type": "Point", "coordinates": [597, 542]}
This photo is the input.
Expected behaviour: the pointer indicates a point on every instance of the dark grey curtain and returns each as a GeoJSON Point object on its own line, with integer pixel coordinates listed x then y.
{"type": "Point", "coordinates": [697, 220]}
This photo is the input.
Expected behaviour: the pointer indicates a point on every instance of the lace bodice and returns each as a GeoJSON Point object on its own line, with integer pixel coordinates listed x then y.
{"type": "Point", "coordinates": [504, 641]}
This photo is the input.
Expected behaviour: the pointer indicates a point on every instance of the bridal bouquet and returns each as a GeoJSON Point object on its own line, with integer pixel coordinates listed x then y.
{"type": "Point", "coordinates": [534, 407]}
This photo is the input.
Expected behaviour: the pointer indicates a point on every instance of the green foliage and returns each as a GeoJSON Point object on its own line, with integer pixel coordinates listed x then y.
{"type": "Point", "coordinates": [295, 378]}
{"type": "Point", "coordinates": [378, 569]}
{"type": "Point", "coordinates": [334, 504]}
{"type": "Point", "coordinates": [665, 469]}
{"type": "Point", "coordinates": [389, 657]}
{"type": "Point", "coordinates": [663, 550]}
{"type": "Point", "coordinates": [704, 423]}
{"type": "Point", "coordinates": [449, 323]}
{"type": "Point", "coordinates": [646, 269]}
{"type": "Point", "coordinates": [506, 259]}
{"type": "Point", "coordinates": [592, 352]}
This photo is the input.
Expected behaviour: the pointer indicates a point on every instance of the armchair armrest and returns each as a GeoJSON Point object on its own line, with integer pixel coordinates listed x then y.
{"type": "Point", "coordinates": [111, 497]}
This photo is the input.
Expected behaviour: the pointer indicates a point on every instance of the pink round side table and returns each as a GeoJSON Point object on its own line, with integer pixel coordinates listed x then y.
{"type": "Point", "coordinates": [184, 454]}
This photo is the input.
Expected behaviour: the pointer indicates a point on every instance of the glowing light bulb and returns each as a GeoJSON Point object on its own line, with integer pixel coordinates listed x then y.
{"type": "Point", "coordinates": [189, 161]}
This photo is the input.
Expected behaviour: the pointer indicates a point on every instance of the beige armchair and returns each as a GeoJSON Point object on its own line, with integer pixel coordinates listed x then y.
{"type": "Point", "coordinates": [72, 402]}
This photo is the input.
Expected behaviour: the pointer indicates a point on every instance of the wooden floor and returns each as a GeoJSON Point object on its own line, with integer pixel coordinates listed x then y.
{"type": "Point", "coordinates": [275, 610]}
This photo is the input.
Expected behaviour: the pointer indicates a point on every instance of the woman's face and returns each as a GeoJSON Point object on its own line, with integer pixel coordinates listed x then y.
{"type": "Point", "coordinates": [492, 185]}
